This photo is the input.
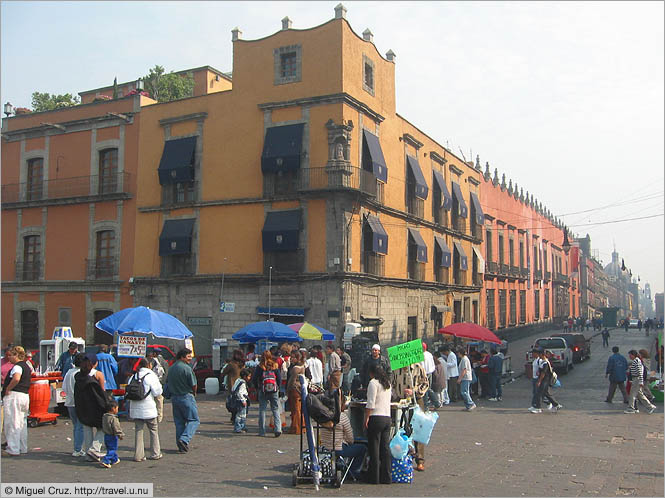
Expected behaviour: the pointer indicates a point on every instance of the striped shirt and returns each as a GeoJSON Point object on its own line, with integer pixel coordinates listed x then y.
{"type": "Point", "coordinates": [343, 433]}
{"type": "Point", "coordinates": [636, 372]}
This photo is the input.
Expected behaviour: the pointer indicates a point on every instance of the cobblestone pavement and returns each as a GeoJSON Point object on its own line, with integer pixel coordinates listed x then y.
{"type": "Point", "coordinates": [589, 448]}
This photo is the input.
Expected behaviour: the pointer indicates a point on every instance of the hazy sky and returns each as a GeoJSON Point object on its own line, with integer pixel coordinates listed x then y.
{"type": "Point", "coordinates": [565, 98]}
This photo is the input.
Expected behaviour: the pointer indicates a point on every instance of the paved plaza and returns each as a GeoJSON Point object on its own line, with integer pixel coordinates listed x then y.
{"type": "Point", "coordinates": [589, 448]}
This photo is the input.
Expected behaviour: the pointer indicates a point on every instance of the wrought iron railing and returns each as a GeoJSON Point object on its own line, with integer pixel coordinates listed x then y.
{"type": "Point", "coordinates": [343, 177]}
{"type": "Point", "coordinates": [28, 270]}
{"type": "Point", "coordinates": [492, 267]}
{"type": "Point", "coordinates": [416, 207]}
{"type": "Point", "coordinates": [101, 268]}
{"type": "Point", "coordinates": [416, 270]}
{"type": "Point", "coordinates": [547, 276]}
{"type": "Point", "coordinates": [374, 263]}
{"type": "Point", "coordinates": [559, 278]}
{"type": "Point", "coordinates": [65, 188]}
{"type": "Point", "coordinates": [503, 268]}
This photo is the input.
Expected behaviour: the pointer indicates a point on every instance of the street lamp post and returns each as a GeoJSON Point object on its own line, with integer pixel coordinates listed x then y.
{"type": "Point", "coordinates": [269, 290]}
{"type": "Point", "coordinates": [221, 294]}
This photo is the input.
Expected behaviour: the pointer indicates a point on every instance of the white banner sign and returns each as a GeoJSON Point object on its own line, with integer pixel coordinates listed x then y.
{"type": "Point", "coordinates": [132, 346]}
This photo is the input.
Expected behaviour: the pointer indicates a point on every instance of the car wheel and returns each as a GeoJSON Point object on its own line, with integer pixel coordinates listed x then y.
{"type": "Point", "coordinates": [32, 422]}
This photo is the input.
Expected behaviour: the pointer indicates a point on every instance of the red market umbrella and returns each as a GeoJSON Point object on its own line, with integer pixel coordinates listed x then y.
{"type": "Point", "coordinates": [470, 331]}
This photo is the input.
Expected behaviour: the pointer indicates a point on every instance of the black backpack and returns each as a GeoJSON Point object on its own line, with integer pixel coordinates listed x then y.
{"type": "Point", "coordinates": [136, 390]}
{"type": "Point", "coordinates": [233, 403]}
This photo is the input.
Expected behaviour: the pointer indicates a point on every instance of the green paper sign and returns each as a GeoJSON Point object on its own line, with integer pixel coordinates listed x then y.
{"type": "Point", "coordinates": [406, 354]}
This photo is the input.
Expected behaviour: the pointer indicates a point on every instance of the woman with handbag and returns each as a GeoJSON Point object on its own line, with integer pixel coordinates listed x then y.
{"type": "Point", "coordinates": [377, 423]}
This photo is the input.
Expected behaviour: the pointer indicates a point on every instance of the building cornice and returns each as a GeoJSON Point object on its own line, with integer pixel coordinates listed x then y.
{"type": "Point", "coordinates": [334, 98]}
{"type": "Point", "coordinates": [70, 126]}
{"type": "Point", "coordinates": [437, 158]}
{"type": "Point", "coordinates": [185, 117]}
{"type": "Point", "coordinates": [411, 140]}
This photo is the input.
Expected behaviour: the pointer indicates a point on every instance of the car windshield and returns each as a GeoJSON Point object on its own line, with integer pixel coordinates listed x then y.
{"type": "Point", "coordinates": [554, 343]}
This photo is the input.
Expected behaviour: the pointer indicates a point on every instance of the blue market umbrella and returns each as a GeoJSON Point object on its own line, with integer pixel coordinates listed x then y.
{"type": "Point", "coordinates": [145, 321]}
{"type": "Point", "coordinates": [266, 330]}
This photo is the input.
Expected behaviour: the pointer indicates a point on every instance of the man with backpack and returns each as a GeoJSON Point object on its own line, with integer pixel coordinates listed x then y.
{"type": "Point", "coordinates": [181, 385]}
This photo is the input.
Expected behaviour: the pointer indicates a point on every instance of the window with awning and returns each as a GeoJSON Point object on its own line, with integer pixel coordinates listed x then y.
{"type": "Point", "coordinates": [421, 253]}
{"type": "Point", "coordinates": [479, 215]}
{"type": "Point", "coordinates": [446, 255]}
{"type": "Point", "coordinates": [282, 148]}
{"type": "Point", "coordinates": [373, 156]}
{"type": "Point", "coordinates": [379, 235]}
{"type": "Point", "coordinates": [446, 198]}
{"type": "Point", "coordinates": [481, 261]}
{"type": "Point", "coordinates": [281, 231]}
{"type": "Point", "coordinates": [457, 195]}
{"type": "Point", "coordinates": [421, 189]}
{"type": "Point", "coordinates": [176, 237]}
{"type": "Point", "coordinates": [463, 261]}
{"type": "Point", "coordinates": [177, 162]}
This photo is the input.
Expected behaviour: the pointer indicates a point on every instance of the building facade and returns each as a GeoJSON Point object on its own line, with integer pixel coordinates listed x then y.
{"type": "Point", "coordinates": [300, 194]}
{"type": "Point", "coordinates": [68, 214]}
{"type": "Point", "coordinates": [528, 278]}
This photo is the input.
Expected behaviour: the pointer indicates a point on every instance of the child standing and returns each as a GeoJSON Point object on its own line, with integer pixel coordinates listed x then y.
{"type": "Point", "coordinates": [112, 432]}
{"type": "Point", "coordinates": [239, 392]}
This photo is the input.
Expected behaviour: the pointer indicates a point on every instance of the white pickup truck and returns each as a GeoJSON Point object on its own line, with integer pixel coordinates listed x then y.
{"type": "Point", "coordinates": [562, 355]}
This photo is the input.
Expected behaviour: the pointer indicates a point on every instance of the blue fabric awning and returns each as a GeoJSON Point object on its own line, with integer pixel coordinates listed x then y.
{"type": "Point", "coordinates": [372, 148]}
{"type": "Point", "coordinates": [263, 310]}
{"type": "Point", "coordinates": [177, 162]}
{"type": "Point", "coordinates": [281, 231]}
{"type": "Point", "coordinates": [421, 254]}
{"type": "Point", "coordinates": [446, 198]}
{"type": "Point", "coordinates": [463, 261]}
{"type": "Point", "coordinates": [480, 216]}
{"type": "Point", "coordinates": [176, 237]}
{"type": "Point", "coordinates": [421, 184]}
{"type": "Point", "coordinates": [380, 237]}
{"type": "Point", "coordinates": [457, 194]}
{"type": "Point", "coordinates": [446, 256]}
{"type": "Point", "coordinates": [282, 148]}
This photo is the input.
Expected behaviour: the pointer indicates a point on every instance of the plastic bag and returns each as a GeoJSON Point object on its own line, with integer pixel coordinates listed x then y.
{"type": "Point", "coordinates": [399, 445]}
{"type": "Point", "coordinates": [557, 383]}
{"type": "Point", "coordinates": [401, 470]}
{"type": "Point", "coordinates": [422, 424]}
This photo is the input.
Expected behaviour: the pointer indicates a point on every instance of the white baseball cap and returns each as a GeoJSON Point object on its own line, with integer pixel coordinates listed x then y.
{"type": "Point", "coordinates": [376, 346]}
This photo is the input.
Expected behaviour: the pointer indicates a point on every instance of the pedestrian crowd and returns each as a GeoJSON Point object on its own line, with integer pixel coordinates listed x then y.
{"type": "Point", "coordinates": [274, 379]}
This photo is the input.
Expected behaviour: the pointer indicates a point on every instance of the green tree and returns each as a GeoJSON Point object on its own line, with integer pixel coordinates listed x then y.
{"type": "Point", "coordinates": [164, 87]}
{"type": "Point", "coordinates": [47, 102]}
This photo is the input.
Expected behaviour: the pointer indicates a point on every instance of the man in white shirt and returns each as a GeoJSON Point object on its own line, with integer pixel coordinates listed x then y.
{"type": "Point", "coordinates": [453, 373]}
{"type": "Point", "coordinates": [315, 368]}
{"type": "Point", "coordinates": [535, 368]}
{"type": "Point", "coordinates": [429, 366]}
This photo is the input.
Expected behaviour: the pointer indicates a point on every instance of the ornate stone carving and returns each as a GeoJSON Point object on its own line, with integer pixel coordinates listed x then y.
{"type": "Point", "coordinates": [522, 195]}
{"type": "Point", "coordinates": [487, 174]}
{"type": "Point", "coordinates": [495, 180]}
{"type": "Point", "coordinates": [338, 166]}
{"type": "Point", "coordinates": [510, 187]}
{"type": "Point", "coordinates": [503, 181]}
{"type": "Point", "coordinates": [478, 168]}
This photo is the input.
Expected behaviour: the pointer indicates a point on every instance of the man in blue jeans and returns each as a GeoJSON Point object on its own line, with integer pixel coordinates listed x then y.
{"type": "Point", "coordinates": [464, 379]}
{"type": "Point", "coordinates": [181, 383]}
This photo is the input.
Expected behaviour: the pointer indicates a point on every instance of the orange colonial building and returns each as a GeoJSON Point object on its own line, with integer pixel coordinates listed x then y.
{"type": "Point", "coordinates": [528, 278]}
{"type": "Point", "coordinates": [69, 212]}
{"type": "Point", "coordinates": [300, 194]}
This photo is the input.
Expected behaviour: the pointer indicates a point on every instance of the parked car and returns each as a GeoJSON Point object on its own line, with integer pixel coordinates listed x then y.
{"type": "Point", "coordinates": [579, 345]}
{"type": "Point", "coordinates": [166, 352]}
{"type": "Point", "coordinates": [202, 366]}
{"type": "Point", "coordinates": [562, 355]}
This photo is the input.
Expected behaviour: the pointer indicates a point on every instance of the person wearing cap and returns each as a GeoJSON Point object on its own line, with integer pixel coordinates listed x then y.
{"type": "Point", "coordinates": [374, 359]}
{"type": "Point", "coordinates": [66, 360]}
{"type": "Point", "coordinates": [90, 404]}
